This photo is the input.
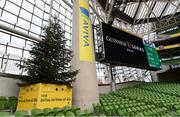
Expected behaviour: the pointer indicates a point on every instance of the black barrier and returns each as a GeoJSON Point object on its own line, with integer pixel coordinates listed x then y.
{"type": "Point", "coordinates": [123, 48]}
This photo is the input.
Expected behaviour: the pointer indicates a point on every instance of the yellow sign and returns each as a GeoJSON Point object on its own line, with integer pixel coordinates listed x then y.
{"type": "Point", "coordinates": [168, 47]}
{"type": "Point", "coordinates": [85, 33]}
{"type": "Point", "coordinates": [175, 35]}
{"type": "Point", "coordinates": [40, 96]}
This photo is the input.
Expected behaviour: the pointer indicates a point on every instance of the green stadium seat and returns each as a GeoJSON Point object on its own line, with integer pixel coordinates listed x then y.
{"type": "Point", "coordinates": [37, 112]}
{"type": "Point", "coordinates": [96, 107]}
{"type": "Point", "coordinates": [88, 112]}
{"type": "Point", "coordinates": [102, 115]}
{"type": "Point", "coordinates": [178, 112]}
{"type": "Point", "coordinates": [66, 109]}
{"type": "Point", "coordinates": [48, 112]}
{"type": "Point", "coordinates": [70, 114]}
{"type": "Point", "coordinates": [22, 113]}
{"type": "Point", "coordinates": [177, 107]}
{"type": "Point", "coordinates": [80, 113]}
{"type": "Point", "coordinates": [139, 115]}
{"type": "Point", "coordinates": [12, 103]}
{"type": "Point", "coordinates": [3, 102]}
{"type": "Point", "coordinates": [60, 115]}
{"type": "Point", "coordinates": [57, 110]}
{"type": "Point", "coordinates": [75, 108]}
{"type": "Point", "coordinates": [4, 114]}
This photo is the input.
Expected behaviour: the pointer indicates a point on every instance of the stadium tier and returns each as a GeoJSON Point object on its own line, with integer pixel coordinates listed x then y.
{"type": "Point", "coordinates": [149, 99]}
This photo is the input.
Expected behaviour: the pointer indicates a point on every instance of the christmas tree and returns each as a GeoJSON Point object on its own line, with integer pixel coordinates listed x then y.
{"type": "Point", "coordinates": [50, 59]}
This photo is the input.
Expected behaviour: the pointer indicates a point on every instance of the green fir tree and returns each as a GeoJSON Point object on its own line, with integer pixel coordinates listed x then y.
{"type": "Point", "coordinates": [50, 59]}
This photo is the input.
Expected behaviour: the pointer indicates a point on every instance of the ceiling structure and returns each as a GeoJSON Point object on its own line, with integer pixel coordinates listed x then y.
{"type": "Point", "coordinates": [144, 11]}
{"type": "Point", "coordinates": [153, 15]}
{"type": "Point", "coordinates": [142, 17]}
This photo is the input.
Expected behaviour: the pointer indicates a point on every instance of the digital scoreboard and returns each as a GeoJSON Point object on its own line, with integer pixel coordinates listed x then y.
{"type": "Point", "coordinates": [123, 48]}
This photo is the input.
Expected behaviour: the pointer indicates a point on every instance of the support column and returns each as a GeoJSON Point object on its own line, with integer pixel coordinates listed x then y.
{"type": "Point", "coordinates": [154, 74]}
{"type": "Point", "coordinates": [113, 84]}
{"type": "Point", "coordinates": [85, 88]}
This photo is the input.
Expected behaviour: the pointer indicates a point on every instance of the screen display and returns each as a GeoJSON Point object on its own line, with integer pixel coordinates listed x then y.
{"type": "Point", "coordinates": [123, 48]}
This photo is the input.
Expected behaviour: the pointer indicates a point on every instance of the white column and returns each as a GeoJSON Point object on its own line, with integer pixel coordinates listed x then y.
{"type": "Point", "coordinates": [85, 88]}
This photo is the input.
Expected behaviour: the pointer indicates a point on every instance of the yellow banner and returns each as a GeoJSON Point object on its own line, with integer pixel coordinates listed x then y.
{"type": "Point", "coordinates": [85, 33]}
{"type": "Point", "coordinates": [40, 96]}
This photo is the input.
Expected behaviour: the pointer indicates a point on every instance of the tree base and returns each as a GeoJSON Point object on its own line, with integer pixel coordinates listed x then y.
{"type": "Point", "coordinates": [40, 96]}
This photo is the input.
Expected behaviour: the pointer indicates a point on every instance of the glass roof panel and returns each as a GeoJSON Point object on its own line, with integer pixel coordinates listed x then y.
{"type": "Point", "coordinates": [158, 9]}
{"type": "Point", "coordinates": [172, 7]}
{"type": "Point", "coordinates": [133, 9]}
{"type": "Point", "coordinates": [144, 9]}
{"type": "Point", "coordinates": [127, 9]}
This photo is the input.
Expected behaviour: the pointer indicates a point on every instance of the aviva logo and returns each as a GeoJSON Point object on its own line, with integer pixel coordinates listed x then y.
{"type": "Point", "coordinates": [85, 12]}
{"type": "Point", "coordinates": [85, 32]}
{"type": "Point", "coordinates": [85, 26]}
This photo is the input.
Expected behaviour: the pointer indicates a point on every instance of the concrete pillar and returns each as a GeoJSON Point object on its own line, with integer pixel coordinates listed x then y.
{"type": "Point", "coordinates": [9, 87]}
{"type": "Point", "coordinates": [85, 88]}
{"type": "Point", "coordinates": [112, 84]}
{"type": "Point", "coordinates": [154, 74]}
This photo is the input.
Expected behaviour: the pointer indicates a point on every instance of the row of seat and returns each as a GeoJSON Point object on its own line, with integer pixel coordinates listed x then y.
{"type": "Point", "coordinates": [141, 100]}
{"type": "Point", "coordinates": [55, 112]}
{"type": "Point", "coordinates": [167, 88]}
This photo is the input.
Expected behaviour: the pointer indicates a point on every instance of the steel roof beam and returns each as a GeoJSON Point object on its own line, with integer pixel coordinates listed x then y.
{"type": "Point", "coordinates": [19, 32]}
{"type": "Point", "coordinates": [121, 15]}
{"type": "Point", "coordinates": [163, 10]}
{"type": "Point", "coordinates": [135, 15]}
{"type": "Point", "coordinates": [155, 19]}
{"type": "Point", "coordinates": [152, 9]}
{"type": "Point", "coordinates": [111, 6]}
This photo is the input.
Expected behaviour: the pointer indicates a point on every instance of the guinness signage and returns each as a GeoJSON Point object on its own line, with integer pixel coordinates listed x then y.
{"type": "Point", "coordinates": [123, 48]}
{"type": "Point", "coordinates": [126, 44]}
